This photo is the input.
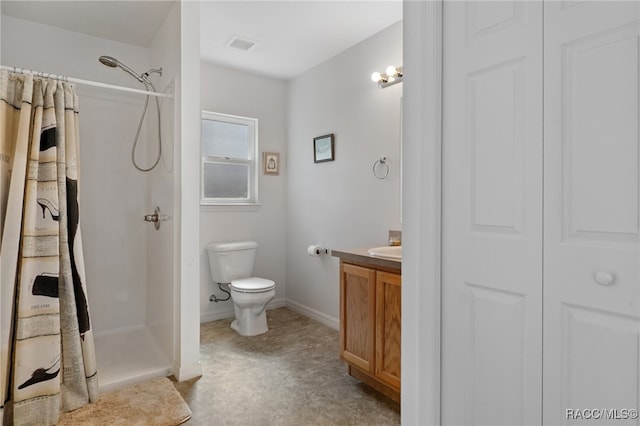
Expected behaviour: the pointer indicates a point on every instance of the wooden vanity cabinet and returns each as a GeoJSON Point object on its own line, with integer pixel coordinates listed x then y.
{"type": "Point", "coordinates": [387, 356]}
{"type": "Point", "coordinates": [370, 314]}
{"type": "Point", "coordinates": [357, 315]}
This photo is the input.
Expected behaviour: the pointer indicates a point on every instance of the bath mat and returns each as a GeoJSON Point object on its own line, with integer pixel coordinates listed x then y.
{"type": "Point", "coordinates": [152, 403]}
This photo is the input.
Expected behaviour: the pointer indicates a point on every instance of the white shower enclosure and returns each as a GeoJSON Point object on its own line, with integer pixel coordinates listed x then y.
{"type": "Point", "coordinates": [129, 264]}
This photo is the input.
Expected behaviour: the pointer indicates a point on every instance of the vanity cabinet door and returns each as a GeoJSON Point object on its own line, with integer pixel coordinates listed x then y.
{"type": "Point", "coordinates": [357, 315]}
{"type": "Point", "coordinates": [388, 308]}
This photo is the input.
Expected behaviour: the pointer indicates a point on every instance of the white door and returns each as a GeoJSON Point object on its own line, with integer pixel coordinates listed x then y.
{"type": "Point", "coordinates": [492, 213]}
{"type": "Point", "coordinates": [591, 313]}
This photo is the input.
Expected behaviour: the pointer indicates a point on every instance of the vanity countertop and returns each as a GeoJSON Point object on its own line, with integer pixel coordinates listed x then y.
{"type": "Point", "coordinates": [363, 258]}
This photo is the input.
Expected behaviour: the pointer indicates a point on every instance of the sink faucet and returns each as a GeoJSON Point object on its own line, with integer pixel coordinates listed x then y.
{"type": "Point", "coordinates": [395, 238]}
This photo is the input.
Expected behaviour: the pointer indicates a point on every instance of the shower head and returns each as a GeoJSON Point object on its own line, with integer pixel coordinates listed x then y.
{"type": "Point", "coordinates": [112, 62]}
{"type": "Point", "coordinates": [108, 61]}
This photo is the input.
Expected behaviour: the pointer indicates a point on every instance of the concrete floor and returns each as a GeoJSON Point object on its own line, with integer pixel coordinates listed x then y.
{"type": "Point", "coordinates": [291, 375]}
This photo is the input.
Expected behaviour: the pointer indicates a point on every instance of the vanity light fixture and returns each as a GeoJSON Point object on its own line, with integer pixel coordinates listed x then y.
{"type": "Point", "coordinates": [392, 75]}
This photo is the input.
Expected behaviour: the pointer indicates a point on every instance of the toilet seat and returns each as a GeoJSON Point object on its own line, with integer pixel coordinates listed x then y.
{"type": "Point", "coordinates": [252, 285]}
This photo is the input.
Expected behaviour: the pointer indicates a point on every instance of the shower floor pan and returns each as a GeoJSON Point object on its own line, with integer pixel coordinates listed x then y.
{"type": "Point", "coordinates": [127, 357]}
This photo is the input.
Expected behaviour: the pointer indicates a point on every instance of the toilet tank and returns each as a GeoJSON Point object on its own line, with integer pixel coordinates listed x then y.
{"type": "Point", "coordinates": [230, 261]}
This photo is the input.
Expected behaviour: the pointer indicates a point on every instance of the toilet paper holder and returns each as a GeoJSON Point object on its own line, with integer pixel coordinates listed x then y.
{"type": "Point", "coordinates": [317, 250]}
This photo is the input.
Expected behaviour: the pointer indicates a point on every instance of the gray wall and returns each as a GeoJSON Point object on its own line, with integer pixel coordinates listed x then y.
{"type": "Point", "coordinates": [239, 93]}
{"type": "Point", "coordinates": [341, 204]}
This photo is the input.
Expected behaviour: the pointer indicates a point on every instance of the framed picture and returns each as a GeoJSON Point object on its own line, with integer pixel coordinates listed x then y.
{"type": "Point", "coordinates": [271, 163]}
{"type": "Point", "coordinates": [323, 148]}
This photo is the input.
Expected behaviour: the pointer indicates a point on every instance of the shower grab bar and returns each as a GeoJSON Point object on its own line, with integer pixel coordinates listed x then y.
{"type": "Point", "coordinates": [84, 82]}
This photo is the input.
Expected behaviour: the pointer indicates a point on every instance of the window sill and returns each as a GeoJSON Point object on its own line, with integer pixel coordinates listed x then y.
{"type": "Point", "coordinates": [246, 207]}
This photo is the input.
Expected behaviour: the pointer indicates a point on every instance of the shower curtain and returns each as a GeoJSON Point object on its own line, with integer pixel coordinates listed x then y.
{"type": "Point", "coordinates": [48, 355]}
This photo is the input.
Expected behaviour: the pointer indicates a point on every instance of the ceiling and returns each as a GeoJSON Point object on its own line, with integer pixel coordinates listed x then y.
{"type": "Point", "coordinates": [291, 36]}
{"type": "Point", "coordinates": [132, 22]}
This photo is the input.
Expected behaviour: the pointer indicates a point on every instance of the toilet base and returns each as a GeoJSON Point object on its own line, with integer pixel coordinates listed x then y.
{"type": "Point", "coordinates": [250, 311]}
{"type": "Point", "coordinates": [249, 331]}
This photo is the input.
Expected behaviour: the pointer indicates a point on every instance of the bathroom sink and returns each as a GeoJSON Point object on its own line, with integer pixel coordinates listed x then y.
{"type": "Point", "coordinates": [388, 252]}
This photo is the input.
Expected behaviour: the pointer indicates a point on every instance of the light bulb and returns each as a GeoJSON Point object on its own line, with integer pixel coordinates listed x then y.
{"type": "Point", "coordinates": [376, 77]}
{"type": "Point", "coordinates": [391, 71]}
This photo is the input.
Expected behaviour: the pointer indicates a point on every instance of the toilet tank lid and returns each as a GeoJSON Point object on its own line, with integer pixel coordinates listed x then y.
{"type": "Point", "coordinates": [232, 246]}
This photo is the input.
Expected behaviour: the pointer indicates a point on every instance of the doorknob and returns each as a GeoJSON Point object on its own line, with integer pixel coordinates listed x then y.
{"type": "Point", "coordinates": [604, 278]}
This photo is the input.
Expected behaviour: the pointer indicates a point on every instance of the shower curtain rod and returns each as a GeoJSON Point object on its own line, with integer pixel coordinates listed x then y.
{"type": "Point", "coordinates": [84, 82]}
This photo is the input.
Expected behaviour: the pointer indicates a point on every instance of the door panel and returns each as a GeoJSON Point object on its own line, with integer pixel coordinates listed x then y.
{"type": "Point", "coordinates": [388, 321]}
{"type": "Point", "coordinates": [492, 213]}
{"type": "Point", "coordinates": [600, 135]}
{"type": "Point", "coordinates": [357, 315]}
{"type": "Point", "coordinates": [498, 324]}
{"type": "Point", "coordinates": [493, 276]}
{"type": "Point", "coordinates": [591, 313]}
{"type": "Point", "coordinates": [594, 344]}
{"type": "Point", "coordinates": [496, 107]}
{"type": "Point", "coordinates": [487, 18]}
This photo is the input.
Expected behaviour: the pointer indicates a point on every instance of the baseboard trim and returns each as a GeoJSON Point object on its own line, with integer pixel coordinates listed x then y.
{"type": "Point", "coordinates": [228, 311]}
{"type": "Point", "coordinates": [186, 372]}
{"type": "Point", "coordinates": [277, 303]}
{"type": "Point", "coordinates": [323, 318]}
{"type": "Point", "coordinates": [218, 315]}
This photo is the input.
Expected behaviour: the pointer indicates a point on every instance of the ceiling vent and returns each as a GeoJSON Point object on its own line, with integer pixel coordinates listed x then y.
{"type": "Point", "coordinates": [241, 43]}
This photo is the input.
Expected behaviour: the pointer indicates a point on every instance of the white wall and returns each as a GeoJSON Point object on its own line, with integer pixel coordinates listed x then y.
{"type": "Point", "coordinates": [341, 204]}
{"type": "Point", "coordinates": [239, 93]}
{"type": "Point", "coordinates": [113, 194]}
{"type": "Point", "coordinates": [421, 213]}
{"type": "Point", "coordinates": [187, 261]}
{"type": "Point", "coordinates": [122, 255]}
{"type": "Point", "coordinates": [1, 62]}
{"type": "Point", "coordinates": [165, 53]}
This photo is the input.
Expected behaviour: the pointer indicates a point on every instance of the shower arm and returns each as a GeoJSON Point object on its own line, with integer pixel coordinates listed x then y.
{"type": "Point", "coordinates": [145, 76]}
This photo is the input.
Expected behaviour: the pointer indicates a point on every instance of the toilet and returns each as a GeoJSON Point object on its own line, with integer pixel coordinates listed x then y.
{"type": "Point", "coordinates": [232, 263]}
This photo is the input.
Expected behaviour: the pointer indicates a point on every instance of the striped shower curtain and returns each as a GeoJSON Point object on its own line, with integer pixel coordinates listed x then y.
{"type": "Point", "coordinates": [48, 357]}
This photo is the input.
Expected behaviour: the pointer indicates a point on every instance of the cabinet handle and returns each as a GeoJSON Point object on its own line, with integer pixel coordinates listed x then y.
{"type": "Point", "coordinates": [604, 278]}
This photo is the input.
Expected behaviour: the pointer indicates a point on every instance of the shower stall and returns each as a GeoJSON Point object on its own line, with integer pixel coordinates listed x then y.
{"type": "Point", "coordinates": [130, 303]}
{"type": "Point", "coordinates": [136, 342]}
{"type": "Point", "coordinates": [130, 266]}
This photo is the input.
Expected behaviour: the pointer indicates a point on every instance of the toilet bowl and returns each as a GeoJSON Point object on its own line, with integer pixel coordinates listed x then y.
{"type": "Point", "coordinates": [250, 297]}
{"type": "Point", "coordinates": [232, 263]}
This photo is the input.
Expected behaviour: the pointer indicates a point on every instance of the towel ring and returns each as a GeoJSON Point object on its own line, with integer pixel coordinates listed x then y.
{"type": "Point", "coordinates": [382, 162]}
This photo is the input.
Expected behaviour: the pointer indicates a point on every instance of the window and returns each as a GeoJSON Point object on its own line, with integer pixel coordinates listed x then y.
{"type": "Point", "coordinates": [229, 159]}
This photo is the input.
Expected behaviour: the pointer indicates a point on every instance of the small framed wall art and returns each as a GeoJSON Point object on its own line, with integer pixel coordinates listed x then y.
{"type": "Point", "coordinates": [271, 163]}
{"type": "Point", "coordinates": [323, 148]}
